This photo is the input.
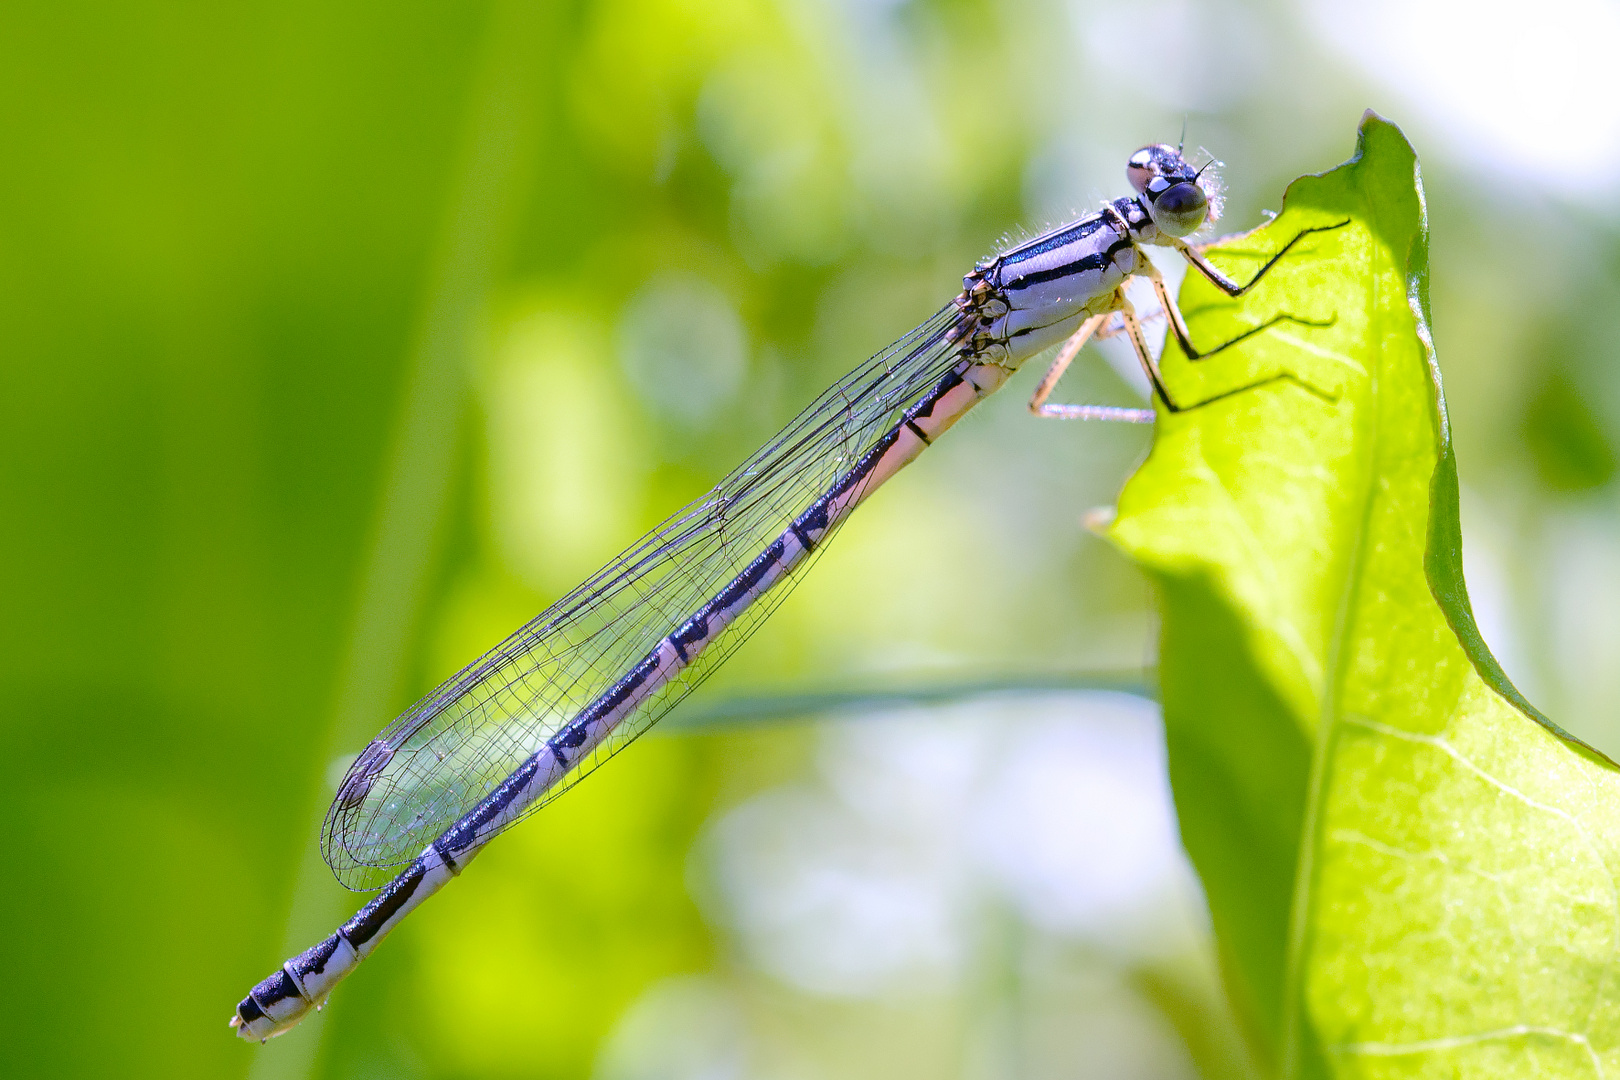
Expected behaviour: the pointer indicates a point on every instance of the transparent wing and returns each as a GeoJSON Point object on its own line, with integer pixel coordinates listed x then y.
{"type": "Point", "coordinates": [453, 747]}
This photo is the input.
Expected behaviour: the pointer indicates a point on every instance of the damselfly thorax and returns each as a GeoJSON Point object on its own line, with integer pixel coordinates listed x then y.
{"type": "Point", "coordinates": [522, 724]}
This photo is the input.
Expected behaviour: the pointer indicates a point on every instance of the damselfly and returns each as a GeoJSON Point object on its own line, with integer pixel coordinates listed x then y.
{"type": "Point", "coordinates": [596, 669]}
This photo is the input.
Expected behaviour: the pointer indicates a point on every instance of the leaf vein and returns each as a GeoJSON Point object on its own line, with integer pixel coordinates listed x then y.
{"type": "Point", "coordinates": [1454, 1042]}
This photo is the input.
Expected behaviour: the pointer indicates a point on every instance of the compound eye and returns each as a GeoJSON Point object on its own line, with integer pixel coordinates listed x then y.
{"type": "Point", "coordinates": [1180, 209]}
{"type": "Point", "coordinates": [1139, 170]}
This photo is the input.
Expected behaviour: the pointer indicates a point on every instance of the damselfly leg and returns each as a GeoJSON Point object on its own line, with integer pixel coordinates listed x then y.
{"type": "Point", "coordinates": [1065, 357]}
{"type": "Point", "coordinates": [1195, 258]}
{"type": "Point", "coordinates": [1115, 326]}
{"type": "Point", "coordinates": [1130, 324]}
{"type": "Point", "coordinates": [1150, 365]}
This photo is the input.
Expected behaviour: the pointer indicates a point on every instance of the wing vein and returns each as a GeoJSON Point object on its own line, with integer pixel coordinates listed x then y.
{"type": "Point", "coordinates": [441, 763]}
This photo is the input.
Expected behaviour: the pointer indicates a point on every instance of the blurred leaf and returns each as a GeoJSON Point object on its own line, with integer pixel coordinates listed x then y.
{"type": "Point", "coordinates": [1409, 868]}
{"type": "Point", "coordinates": [1200, 1013]}
{"type": "Point", "coordinates": [1566, 439]}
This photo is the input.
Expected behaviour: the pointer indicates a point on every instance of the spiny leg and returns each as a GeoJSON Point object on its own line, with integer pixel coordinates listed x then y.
{"type": "Point", "coordinates": [1065, 357]}
{"type": "Point", "coordinates": [1196, 260]}
{"type": "Point", "coordinates": [1133, 327]}
{"type": "Point", "coordinates": [1115, 327]}
{"type": "Point", "coordinates": [1178, 325]}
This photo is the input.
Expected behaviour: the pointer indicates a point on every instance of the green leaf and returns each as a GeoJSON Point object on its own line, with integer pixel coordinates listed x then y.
{"type": "Point", "coordinates": [1411, 871]}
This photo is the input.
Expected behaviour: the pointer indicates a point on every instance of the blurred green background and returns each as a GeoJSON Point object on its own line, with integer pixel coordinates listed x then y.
{"type": "Point", "coordinates": [336, 340]}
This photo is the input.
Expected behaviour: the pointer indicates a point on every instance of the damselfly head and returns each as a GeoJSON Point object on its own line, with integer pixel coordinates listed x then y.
{"type": "Point", "coordinates": [1176, 194]}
